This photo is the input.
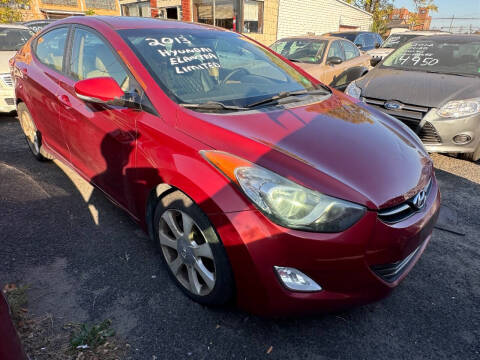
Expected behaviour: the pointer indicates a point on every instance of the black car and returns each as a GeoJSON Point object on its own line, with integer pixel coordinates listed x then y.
{"type": "Point", "coordinates": [432, 85]}
{"type": "Point", "coordinates": [365, 40]}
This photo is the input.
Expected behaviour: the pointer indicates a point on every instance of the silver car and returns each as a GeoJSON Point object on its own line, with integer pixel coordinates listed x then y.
{"type": "Point", "coordinates": [432, 85]}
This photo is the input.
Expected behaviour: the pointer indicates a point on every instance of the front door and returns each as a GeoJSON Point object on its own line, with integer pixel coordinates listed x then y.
{"type": "Point", "coordinates": [101, 138]}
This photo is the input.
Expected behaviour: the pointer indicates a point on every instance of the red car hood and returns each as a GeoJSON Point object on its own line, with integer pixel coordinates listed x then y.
{"type": "Point", "coordinates": [334, 146]}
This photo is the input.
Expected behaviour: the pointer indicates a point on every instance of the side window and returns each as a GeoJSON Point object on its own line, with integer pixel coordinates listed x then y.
{"type": "Point", "coordinates": [379, 39]}
{"type": "Point", "coordinates": [336, 50]}
{"type": "Point", "coordinates": [92, 57]}
{"type": "Point", "coordinates": [360, 40]}
{"type": "Point", "coordinates": [50, 48]}
{"type": "Point", "coordinates": [351, 51]}
{"type": "Point", "coordinates": [369, 41]}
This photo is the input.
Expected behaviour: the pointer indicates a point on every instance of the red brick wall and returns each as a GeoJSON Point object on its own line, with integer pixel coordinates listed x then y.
{"type": "Point", "coordinates": [186, 10]}
{"type": "Point", "coordinates": [154, 9]}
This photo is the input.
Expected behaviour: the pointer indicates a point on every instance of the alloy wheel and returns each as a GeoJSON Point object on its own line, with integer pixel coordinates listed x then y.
{"type": "Point", "coordinates": [187, 252]}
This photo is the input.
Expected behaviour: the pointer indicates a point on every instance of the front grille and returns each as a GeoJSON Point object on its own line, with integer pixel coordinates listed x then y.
{"type": "Point", "coordinates": [428, 134]}
{"type": "Point", "coordinates": [403, 211]}
{"type": "Point", "coordinates": [410, 115]}
{"type": "Point", "coordinates": [10, 101]}
{"type": "Point", "coordinates": [6, 79]}
{"type": "Point", "coordinates": [391, 272]}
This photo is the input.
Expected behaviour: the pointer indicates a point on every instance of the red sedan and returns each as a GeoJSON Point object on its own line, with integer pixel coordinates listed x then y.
{"type": "Point", "coordinates": [255, 180]}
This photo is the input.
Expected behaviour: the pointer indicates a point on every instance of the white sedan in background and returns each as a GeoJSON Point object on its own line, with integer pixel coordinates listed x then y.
{"type": "Point", "coordinates": [12, 38]}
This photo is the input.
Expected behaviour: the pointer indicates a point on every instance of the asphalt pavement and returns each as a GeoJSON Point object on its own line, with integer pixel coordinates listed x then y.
{"type": "Point", "coordinates": [86, 260]}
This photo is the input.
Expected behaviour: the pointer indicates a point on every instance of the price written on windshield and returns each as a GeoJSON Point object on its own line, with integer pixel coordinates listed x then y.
{"type": "Point", "coordinates": [418, 54]}
{"type": "Point", "coordinates": [417, 60]}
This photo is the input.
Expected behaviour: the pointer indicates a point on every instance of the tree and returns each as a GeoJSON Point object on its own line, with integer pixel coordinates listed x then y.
{"type": "Point", "coordinates": [11, 10]}
{"type": "Point", "coordinates": [414, 19]}
{"type": "Point", "coordinates": [380, 9]}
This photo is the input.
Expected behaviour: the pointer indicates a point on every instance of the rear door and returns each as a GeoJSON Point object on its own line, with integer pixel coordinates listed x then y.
{"type": "Point", "coordinates": [101, 138]}
{"type": "Point", "coordinates": [40, 80]}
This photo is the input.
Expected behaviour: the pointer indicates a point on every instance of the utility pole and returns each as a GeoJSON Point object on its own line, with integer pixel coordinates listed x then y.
{"type": "Point", "coordinates": [451, 23]}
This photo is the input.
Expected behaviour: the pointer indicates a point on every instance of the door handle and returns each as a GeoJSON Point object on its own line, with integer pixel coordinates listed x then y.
{"type": "Point", "coordinates": [65, 100]}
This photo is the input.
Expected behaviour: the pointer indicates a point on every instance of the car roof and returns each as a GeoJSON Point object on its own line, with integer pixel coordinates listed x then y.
{"type": "Point", "coordinates": [350, 32]}
{"type": "Point", "coordinates": [422, 32]}
{"type": "Point", "coordinates": [133, 22]}
{"type": "Point", "coordinates": [309, 37]}
{"type": "Point", "coordinates": [464, 38]}
{"type": "Point", "coordinates": [13, 26]}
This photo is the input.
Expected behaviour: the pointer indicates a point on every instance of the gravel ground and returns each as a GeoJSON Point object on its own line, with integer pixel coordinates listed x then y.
{"type": "Point", "coordinates": [85, 260]}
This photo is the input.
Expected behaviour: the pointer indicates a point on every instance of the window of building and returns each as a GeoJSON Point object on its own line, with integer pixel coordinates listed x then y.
{"type": "Point", "coordinates": [101, 4]}
{"type": "Point", "coordinates": [51, 47]}
{"type": "Point", "coordinates": [252, 16]}
{"type": "Point", "coordinates": [137, 9]}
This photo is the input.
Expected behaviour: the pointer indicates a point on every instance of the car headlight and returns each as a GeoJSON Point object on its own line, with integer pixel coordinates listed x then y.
{"type": "Point", "coordinates": [353, 90]}
{"type": "Point", "coordinates": [284, 202]}
{"type": "Point", "coordinates": [459, 108]}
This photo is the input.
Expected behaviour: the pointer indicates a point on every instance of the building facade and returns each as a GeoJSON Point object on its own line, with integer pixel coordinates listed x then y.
{"type": "Point", "coordinates": [411, 20]}
{"type": "Point", "coordinates": [268, 20]}
{"type": "Point", "coordinates": [57, 9]}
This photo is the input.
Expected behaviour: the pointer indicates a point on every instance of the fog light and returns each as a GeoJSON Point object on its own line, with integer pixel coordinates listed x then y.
{"type": "Point", "coordinates": [462, 139]}
{"type": "Point", "coordinates": [295, 280]}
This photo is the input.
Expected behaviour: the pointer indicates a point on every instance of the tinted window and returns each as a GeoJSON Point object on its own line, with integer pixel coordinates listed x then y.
{"type": "Point", "coordinates": [336, 50]}
{"type": "Point", "coordinates": [369, 40]}
{"type": "Point", "coordinates": [12, 39]}
{"type": "Point", "coordinates": [196, 66]}
{"type": "Point", "coordinates": [394, 41]}
{"type": "Point", "coordinates": [348, 36]}
{"type": "Point", "coordinates": [51, 48]}
{"type": "Point", "coordinates": [303, 50]}
{"type": "Point", "coordinates": [449, 55]}
{"type": "Point", "coordinates": [351, 51]}
{"type": "Point", "coordinates": [92, 58]}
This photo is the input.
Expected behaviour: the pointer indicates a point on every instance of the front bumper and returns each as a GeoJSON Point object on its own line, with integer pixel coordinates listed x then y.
{"type": "Point", "coordinates": [447, 129]}
{"type": "Point", "coordinates": [342, 263]}
{"type": "Point", "coordinates": [7, 100]}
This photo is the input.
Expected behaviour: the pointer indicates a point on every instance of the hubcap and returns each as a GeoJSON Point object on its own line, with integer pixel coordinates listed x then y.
{"type": "Point", "coordinates": [187, 252]}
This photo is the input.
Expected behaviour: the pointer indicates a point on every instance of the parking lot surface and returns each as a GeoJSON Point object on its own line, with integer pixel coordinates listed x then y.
{"type": "Point", "coordinates": [86, 260]}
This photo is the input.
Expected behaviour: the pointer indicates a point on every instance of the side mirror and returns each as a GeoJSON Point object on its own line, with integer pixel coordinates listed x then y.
{"type": "Point", "coordinates": [334, 60]}
{"type": "Point", "coordinates": [375, 61]}
{"type": "Point", "coordinates": [377, 45]}
{"type": "Point", "coordinates": [101, 90]}
{"type": "Point", "coordinates": [360, 46]}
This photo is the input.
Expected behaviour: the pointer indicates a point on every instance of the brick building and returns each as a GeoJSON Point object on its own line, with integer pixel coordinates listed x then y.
{"type": "Point", "coordinates": [414, 21]}
{"type": "Point", "coordinates": [57, 9]}
{"type": "Point", "coordinates": [264, 20]}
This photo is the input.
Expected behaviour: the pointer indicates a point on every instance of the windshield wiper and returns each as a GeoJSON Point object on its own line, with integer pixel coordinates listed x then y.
{"type": "Point", "coordinates": [284, 94]}
{"type": "Point", "coordinates": [213, 105]}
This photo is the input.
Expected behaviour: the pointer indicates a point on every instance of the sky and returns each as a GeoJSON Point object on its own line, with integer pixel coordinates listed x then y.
{"type": "Point", "coordinates": [449, 8]}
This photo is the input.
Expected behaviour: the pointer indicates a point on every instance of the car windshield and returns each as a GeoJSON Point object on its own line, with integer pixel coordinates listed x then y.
{"type": "Point", "coordinates": [445, 55]}
{"type": "Point", "coordinates": [199, 66]}
{"type": "Point", "coordinates": [12, 39]}
{"type": "Point", "coordinates": [301, 50]}
{"type": "Point", "coordinates": [348, 36]}
{"type": "Point", "coordinates": [394, 41]}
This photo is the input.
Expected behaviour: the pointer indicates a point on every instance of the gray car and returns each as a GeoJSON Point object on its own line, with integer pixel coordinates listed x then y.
{"type": "Point", "coordinates": [432, 85]}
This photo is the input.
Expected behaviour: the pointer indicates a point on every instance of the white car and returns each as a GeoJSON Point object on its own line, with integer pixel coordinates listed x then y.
{"type": "Point", "coordinates": [395, 40]}
{"type": "Point", "coordinates": [12, 38]}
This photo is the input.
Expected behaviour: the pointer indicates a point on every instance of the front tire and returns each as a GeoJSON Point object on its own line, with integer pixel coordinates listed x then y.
{"type": "Point", "coordinates": [192, 251]}
{"type": "Point", "coordinates": [32, 135]}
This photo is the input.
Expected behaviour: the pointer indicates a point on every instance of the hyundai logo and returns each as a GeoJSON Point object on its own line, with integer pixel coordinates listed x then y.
{"type": "Point", "coordinates": [419, 199]}
{"type": "Point", "coordinates": [393, 105]}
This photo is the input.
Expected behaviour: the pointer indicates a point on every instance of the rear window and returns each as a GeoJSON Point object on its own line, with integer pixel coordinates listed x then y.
{"type": "Point", "coordinates": [395, 41]}
{"type": "Point", "coordinates": [12, 39]}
